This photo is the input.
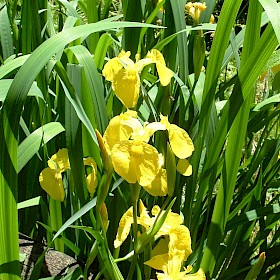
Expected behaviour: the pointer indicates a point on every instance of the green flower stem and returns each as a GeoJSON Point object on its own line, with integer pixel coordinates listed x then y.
{"type": "Point", "coordinates": [135, 190]}
{"type": "Point", "coordinates": [56, 222]}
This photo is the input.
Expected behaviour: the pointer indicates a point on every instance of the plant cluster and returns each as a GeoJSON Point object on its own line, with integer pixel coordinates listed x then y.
{"type": "Point", "coordinates": [133, 144]}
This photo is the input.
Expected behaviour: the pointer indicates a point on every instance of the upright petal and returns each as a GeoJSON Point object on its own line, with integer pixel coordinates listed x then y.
{"type": "Point", "coordinates": [60, 160]}
{"type": "Point", "coordinates": [51, 182]}
{"type": "Point", "coordinates": [117, 130]}
{"type": "Point", "coordinates": [111, 68]}
{"type": "Point", "coordinates": [180, 240]}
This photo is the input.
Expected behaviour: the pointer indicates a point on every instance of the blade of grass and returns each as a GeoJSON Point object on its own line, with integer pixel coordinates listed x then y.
{"type": "Point", "coordinates": [6, 34]}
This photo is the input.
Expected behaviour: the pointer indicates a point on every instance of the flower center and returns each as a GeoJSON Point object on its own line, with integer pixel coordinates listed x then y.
{"type": "Point", "coordinates": [136, 150]}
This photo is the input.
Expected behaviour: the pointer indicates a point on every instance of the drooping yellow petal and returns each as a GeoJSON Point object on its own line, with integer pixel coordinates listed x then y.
{"type": "Point", "coordinates": [51, 181]}
{"type": "Point", "coordinates": [156, 56]}
{"type": "Point", "coordinates": [118, 130]}
{"type": "Point", "coordinates": [184, 167]}
{"type": "Point", "coordinates": [60, 160]}
{"type": "Point", "coordinates": [180, 240]}
{"type": "Point", "coordinates": [158, 186]}
{"type": "Point", "coordinates": [126, 85]}
{"type": "Point", "coordinates": [180, 142]}
{"type": "Point", "coordinates": [164, 73]}
{"type": "Point", "coordinates": [91, 178]}
{"type": "Point", "coordinates": [135, 161]}
{"type": "Point", "coordinates": [124, 227]}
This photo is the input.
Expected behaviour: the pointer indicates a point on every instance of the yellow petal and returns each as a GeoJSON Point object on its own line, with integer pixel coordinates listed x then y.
{"type": "Point", "coordinates": [172, 220]}
{"type": "Point", "coordinates": [144, 219]}
{"type": "Point", "coordinates": [158, 262]}
{"type": "Point", "coordinates": [158, 186]}
{"type": "Point", "coordinates": [139, 65]}
{"type": "Point", "coordinates": [117, 130]}
{"type": "Point", "coordinates": [91, 179]}
{"type": "Point", "coordinates": [135, 161]}
{"type": "Point", "coordinates": [124, 227]}
{"type": "Point", "coordinates": [126, 85]}
{"type": "Point", "coordinates": [51, 181]}
{"type": "Point", "coordinates": [159, 258]}
{"type": "Point", "coordinates": [164, 73]}
{"type": "Point", "coordinates": [111, 68]}
{"type": "Point", "coordinates": [156, 56]}
{"type": "Point", "coordinates": [180, 142]}
{"type": "Point", "coordinates": [60, 160]}
{"type": "Point", "coordinates": [184, 167]}
{"type": "Point", "coordinates": [180, 240]}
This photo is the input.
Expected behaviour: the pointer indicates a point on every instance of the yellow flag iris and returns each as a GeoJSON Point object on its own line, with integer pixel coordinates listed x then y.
{"type": "Point", "coordinates": [126, 140]}
{"type": "Point", "coordinates": [51, 177]}
{"type": "Point", "coordinates": [132, 157]}
{"type": "Point", "coordinates": [125, 75]}
{"type": "Point", "coordinates": [171, 251]}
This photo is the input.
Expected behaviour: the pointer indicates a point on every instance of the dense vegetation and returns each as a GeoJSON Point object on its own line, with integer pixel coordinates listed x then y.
{"type": "Point", "coordinates": [142, 136]}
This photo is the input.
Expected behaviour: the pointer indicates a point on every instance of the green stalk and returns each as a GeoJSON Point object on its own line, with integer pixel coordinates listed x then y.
{"type": "Point", "coordinates": [135, 191]}
{"type": "Point", "coordinates": [233, 154]}
{"type": "Point", "coordinates": [92, 15]}
{"type": "Point", "coordinates": [9, 254]}
{"type": "Point", "coordinates": [56, 222]}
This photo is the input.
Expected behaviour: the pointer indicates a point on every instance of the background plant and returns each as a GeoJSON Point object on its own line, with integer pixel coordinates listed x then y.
{"type": "Point", "coordinates": [54, 96]}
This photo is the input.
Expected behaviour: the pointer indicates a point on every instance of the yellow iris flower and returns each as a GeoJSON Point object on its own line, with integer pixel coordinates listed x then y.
{"type": "Point", "coordinates": [171, 251]}
{"type": "Point", "coordinates": [51, 177]}
{"type": "Point", "coordinates": [125, 75]}
{"type": "Point", "coordinates": [132, 157]}
{"type": "Point", "coordinates": [137, 161]}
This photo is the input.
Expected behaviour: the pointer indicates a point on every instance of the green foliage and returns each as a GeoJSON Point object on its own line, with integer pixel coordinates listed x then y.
{"type": "Point", "coordinates": [53, 95]}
